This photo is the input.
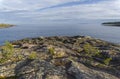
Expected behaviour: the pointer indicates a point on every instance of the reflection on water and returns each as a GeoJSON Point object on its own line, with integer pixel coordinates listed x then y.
{"type": "Point", "coordinates": [111, 34]}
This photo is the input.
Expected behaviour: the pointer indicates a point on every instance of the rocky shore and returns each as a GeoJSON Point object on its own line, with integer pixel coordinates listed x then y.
{"type": "Point", "coordinates": [60, 57]}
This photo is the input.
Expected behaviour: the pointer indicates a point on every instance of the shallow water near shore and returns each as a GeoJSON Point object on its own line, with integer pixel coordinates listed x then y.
{"type": "Point", "coordinates": [111, 34]}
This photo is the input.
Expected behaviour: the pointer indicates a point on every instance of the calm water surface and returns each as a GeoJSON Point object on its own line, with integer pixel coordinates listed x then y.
{"type": "Point", "coordinates": [107, 33]}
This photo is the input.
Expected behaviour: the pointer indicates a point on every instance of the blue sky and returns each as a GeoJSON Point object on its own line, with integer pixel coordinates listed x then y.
{"type": "Point", "coordinates": [49, 11]}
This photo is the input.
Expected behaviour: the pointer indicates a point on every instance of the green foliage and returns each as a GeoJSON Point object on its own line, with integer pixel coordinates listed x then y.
{"type": "Point", "coordinates": [101, 65]}
{"type": "Point", "coordinates": [33, 55]}
{"type": "Point", "coordinates": [51, 50]}
{"type": "Point", "coordinates": [107, 61]}
{"type": "Point", "coordinates": [20, 57]}
{"type": "Point", "coordinates": [90, 50]}
{"type": "Point", "coordinates": [2, 60]}
{"type": "Point", "coordinates": [7, 52]}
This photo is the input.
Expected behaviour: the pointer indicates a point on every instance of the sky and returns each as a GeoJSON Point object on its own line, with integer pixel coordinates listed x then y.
{"type": "Point", "coordinates": [61, 11]}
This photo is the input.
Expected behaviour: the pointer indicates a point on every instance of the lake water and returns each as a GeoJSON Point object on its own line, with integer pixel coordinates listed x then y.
{"type": "Point", "coordinates": [107, 33]}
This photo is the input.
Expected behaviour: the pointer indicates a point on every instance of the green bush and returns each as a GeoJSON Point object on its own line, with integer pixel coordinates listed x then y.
{"type": "Point", "coordinates": [2, 60]}
{"type": "Point", "coordinates": [20, 57]}
{"type": "Point", "coordinates": [7, 52]}
{"type": "Point", "coordinates": [33, 55]}
{"type": "Point", "coordinates": [90, 50]}
{"type": "Point", "coordinates": [51, 50]}
{"type": "Point", "coordinates": [107, 61]}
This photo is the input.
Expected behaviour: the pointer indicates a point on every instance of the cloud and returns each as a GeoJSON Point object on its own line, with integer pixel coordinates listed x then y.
{"type": "Point", "coordinates": [31, 4]}
{"type": "Point", "coordinates": [59, 10]}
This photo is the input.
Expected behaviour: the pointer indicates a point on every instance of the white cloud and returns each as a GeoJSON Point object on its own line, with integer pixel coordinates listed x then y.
{"type": "Point", "coordinates": [97, 11]}
{"type": "Point", "coordinates": [101, 10]}
{"type": "Point", "coordinates": [31, 4]}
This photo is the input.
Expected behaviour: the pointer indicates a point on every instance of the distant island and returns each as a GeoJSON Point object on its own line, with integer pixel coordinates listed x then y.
{"type": "Point", "coordinates": [111, 23]}
{"type": "Point", "coordinates": [2, 25]}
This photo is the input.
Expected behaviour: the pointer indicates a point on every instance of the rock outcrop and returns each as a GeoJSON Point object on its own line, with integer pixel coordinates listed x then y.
{"type": "Point", "coordinates": [77, 57]}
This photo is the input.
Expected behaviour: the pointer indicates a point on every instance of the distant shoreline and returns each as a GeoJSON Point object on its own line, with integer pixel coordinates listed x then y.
{"type": "Point", "coordinates": [117, 24]}
{"type": "Point", "coordinates": [2, 25]}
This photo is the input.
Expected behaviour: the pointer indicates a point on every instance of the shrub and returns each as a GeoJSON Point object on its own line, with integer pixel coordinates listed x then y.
{"type": "Point", "coordinates": [56, 52]}
{"type": "Point", "coordinates": [51, 50]}
{"type": "Point", "coordinates": [107, 61]}
{"type": "Point", "coordinates": [20, 57]}
{"type": "Point", "coordinates": [90, 50]}
{"type": "Point", "coordinates": [2, 60]}
{"type": "Point", "coordinates": [33, 55]}
{"type": "Point", "coordinates": [7, 52]}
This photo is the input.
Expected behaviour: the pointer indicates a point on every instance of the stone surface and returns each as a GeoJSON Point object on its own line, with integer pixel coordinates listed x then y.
{"type": "Point", "coordinates": [68, 59]}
